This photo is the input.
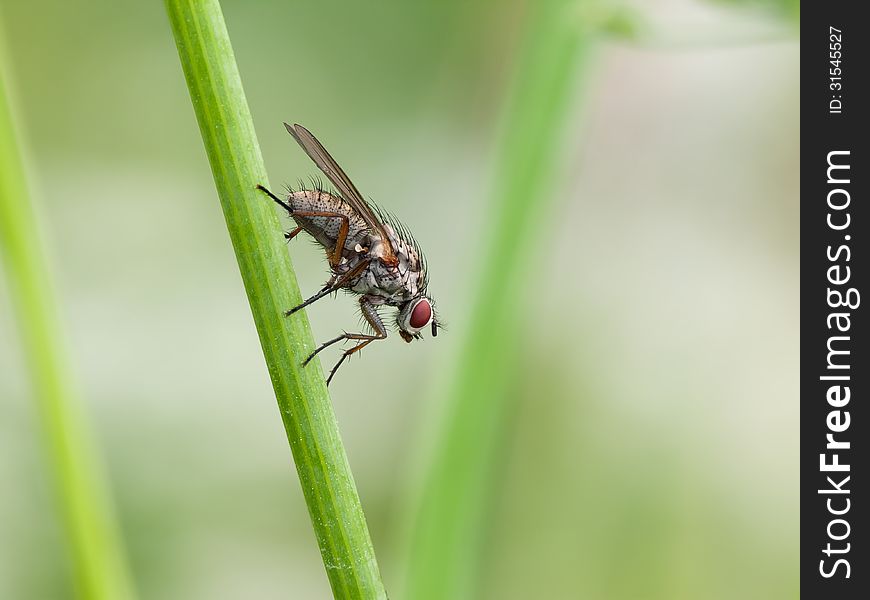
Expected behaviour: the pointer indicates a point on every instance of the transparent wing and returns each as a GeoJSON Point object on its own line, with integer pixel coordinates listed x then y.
{"type": "Point", "coordinates": [315, 150]}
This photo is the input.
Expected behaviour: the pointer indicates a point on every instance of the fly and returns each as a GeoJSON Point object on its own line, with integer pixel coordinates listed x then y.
{"type": "Point", "coordinates": [369, 253]}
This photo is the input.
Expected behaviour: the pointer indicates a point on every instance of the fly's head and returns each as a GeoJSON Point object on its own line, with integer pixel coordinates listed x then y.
{"type": "Point", "coordinates": [414, 316]}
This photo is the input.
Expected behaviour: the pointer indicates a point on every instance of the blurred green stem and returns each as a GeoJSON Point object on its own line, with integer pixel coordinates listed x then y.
{"type": "Point", "coordinates": [447, 541]}
{"type": "Point", "coordinates": [237, 166]}
{"type": "Point", "coordinates": [99, 562]}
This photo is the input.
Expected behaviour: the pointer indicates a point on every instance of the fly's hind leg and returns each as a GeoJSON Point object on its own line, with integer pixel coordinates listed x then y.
{"type": "Point", "coordinates": [373, 319]}
{"type": "Point", "coordinates": [292, 234]}
{"type": "Point", "coordinates": [334, 255]}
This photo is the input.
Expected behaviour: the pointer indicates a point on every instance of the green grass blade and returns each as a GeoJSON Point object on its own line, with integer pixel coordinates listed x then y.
{"type": "Point", "coordinates": [98, 560]}
{"type": "Point", "coordinates": [231, 145]}
{"type": "Point", "coordinates": [447, 541]}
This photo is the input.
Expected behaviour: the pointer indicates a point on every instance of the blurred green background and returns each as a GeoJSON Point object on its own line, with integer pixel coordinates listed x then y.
{"type": "Point", "coordinates": [653, 449]}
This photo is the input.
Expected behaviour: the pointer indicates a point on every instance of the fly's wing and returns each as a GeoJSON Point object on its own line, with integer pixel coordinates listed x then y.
{"type": "Point", "coordinates": [315, 150]}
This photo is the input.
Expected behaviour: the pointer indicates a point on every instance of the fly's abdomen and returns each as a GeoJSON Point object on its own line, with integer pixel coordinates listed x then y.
{"type": "Point", "coordinates": [309, 207]}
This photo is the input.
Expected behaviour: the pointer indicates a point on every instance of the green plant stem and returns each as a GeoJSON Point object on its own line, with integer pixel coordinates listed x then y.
{"type": "Point", "coordinates": [231, 144]}
{"type": "Point", "coordinates": [98, 560]}
{"type": "Point", "coordinates": [447, 541]}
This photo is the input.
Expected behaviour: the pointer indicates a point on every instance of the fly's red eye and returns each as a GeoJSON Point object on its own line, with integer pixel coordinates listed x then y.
{"type": "Point", "coordinates": [421, 314]}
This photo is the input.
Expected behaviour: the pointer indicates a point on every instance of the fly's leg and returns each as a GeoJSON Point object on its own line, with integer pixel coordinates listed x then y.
{"type": "Point", "coordinates": [334, 256]}
{"type": "Point", "coordinates": [325, 291]}
{"type": "Point", "coordinates": [331, 286]}
{"type": "Point", "coordinates": [277, 200]}
{"type": "Point", "coordinates": [292, 234]}
{"type": "Point", "coordinates": [370, 315]}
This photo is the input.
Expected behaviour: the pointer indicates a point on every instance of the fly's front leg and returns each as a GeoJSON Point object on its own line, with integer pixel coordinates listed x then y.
{"type": "Point", "coordinates": [373, 319]}
{"type": "Point", "coordinates": [331, 286]}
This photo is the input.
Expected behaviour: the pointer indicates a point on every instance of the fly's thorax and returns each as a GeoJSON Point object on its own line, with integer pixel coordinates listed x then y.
{"type": "Point", "coordinates": [410, 268]}
{"type": "Point", "coordinates": [395, 283]}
